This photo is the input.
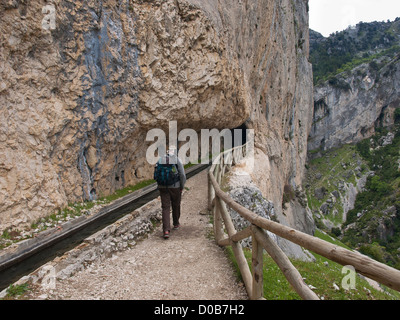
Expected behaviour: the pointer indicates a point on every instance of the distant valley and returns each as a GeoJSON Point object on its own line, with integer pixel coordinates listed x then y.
{"type": "Point", "coordinates": [353, 177]}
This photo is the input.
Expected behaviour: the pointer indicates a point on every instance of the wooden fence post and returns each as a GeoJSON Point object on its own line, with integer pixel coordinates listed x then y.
{"type": "Point", "coordinates": [290, 272]}
{"type": "Point", "coordinates": [237, 248]}
{"type": "Point", "coordinates": [211, 194]}
{"type": "Point", "coordinates": [257, 268]}
{"type": "Point", "coordinates": [218, 231]}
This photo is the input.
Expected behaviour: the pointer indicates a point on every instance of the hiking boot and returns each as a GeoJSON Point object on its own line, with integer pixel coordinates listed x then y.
{"type": "Point", "coordinates": [166, 234]}
{"type": "Point", "coordinates": [177, 227]}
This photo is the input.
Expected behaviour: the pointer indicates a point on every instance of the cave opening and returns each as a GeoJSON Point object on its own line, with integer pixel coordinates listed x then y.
{"type": "Point", "coordinates": [239, 135]}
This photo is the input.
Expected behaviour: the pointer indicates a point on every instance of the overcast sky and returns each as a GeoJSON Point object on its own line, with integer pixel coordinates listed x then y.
{"type": "Point", "coordinates": [328, 16]}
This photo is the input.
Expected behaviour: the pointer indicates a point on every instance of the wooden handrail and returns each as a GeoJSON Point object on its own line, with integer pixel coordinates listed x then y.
{"type": "Point", "coordinates": [362, 264]}
{"type": "Point", "coordinates": [284, 264]}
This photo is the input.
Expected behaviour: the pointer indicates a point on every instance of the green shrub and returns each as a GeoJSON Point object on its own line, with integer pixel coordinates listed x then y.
{"type": "Point", "coordinates": [374, 250]}
{"type": "Point", "coordinates": [377, 185]}
{"type": "Point", "coordinates": [363, 148]}
{"type": "Point", "coordinates": [336, 231]}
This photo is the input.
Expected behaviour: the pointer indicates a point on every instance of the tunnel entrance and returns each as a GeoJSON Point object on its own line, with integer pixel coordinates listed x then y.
{"type": "Point", "coordinates": [239, 135]}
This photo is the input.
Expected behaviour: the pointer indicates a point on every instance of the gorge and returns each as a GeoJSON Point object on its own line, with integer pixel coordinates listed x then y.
{"type": "Point", "coordinates": [353, 177]}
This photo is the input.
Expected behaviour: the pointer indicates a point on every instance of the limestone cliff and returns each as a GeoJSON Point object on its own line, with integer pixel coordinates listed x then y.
{"type": "Point", "coordinates": [350, 106]}
{"type": "Point", "coordinates": [81, 83]}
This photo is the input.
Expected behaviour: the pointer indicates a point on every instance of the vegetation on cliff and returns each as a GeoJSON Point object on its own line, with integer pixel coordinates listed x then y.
{"type": "Point", "coordinates": [370, 222]}
{"type": "Point", "coordinates": [342, 51]}
{"type": "Point", "coordinates": [331, 184]}
{"type": "Point", "coordinates": [374, 224]}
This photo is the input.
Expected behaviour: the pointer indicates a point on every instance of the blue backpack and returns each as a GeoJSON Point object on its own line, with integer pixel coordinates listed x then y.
{"type": "Point", "coordinates": [166, 174]}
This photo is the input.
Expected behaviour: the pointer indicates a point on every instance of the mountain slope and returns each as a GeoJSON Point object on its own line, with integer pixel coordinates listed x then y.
{"type": "Point", "coordinates": [353, 178]}
{"type": "Point", "coordinates": [354, 193]}
{"type": "Point", "coordinates": [356, 83]}
{"type": "Point", "coordinates": [374, 224]}
{"type": "Point", "coordinates": [346, 49]}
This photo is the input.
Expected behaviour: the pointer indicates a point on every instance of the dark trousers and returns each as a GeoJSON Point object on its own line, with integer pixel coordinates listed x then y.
{"type": "Point", "coordinates": [170, 197]}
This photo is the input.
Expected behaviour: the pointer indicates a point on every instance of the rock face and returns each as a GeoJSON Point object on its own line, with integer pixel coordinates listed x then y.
{"type": "Point", "coordinates": [350, 107]}
{"type": "Point", "coordinates": [82, 82]}
{"type": "Point", "coordinates": [243, 190]}
{"type": "Point", "coordinates": [250, 197]}
{"type": "Point", "coordinates": [274, 52]}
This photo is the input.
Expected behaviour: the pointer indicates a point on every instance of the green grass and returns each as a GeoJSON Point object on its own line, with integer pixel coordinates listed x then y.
{"type": "Point", "coordinates": [123, 192]}
{"type": "Point", "coordinates": [73, 210]}
{"type": "Point", "coordinates": [16, 291]}
{"type": "Point", "coordinates": [321, 274]}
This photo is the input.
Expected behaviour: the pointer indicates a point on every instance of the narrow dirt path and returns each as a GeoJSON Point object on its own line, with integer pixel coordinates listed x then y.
{"type": "Point", "coordinates": [187, 266]}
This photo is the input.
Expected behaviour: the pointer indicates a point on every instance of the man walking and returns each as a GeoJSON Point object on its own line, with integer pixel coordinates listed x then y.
{"type": "Point", "coordinates": [170, 176]}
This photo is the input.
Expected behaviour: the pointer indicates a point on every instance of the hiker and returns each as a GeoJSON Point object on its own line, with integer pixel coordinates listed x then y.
{"type": "Point", "coordinates": [170, 176]}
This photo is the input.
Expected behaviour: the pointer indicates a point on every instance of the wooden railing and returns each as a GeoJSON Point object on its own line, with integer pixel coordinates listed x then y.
{"type": "Point", "coordinates": [218, 201]}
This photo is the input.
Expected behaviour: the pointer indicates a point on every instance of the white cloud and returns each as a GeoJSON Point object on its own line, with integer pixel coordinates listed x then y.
{"type": "Point", "coordinates": [328, 16]}
{"type": "Point", "coordinates": [347, 16]}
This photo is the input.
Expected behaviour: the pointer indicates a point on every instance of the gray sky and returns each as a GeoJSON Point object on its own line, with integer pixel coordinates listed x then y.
{"type": "Point", "coordinates": [328, 16]}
